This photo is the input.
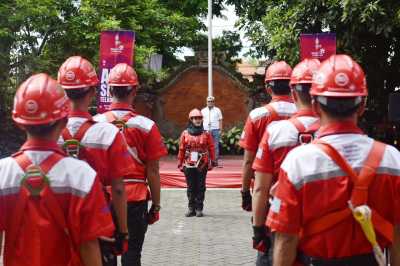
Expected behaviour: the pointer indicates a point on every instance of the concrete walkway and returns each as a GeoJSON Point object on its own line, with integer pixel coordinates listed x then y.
{"type": "Point", "coordinates": [221, 237]}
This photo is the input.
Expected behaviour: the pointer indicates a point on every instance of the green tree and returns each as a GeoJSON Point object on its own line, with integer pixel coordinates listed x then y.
{"type": "Point", "coordinates": [368, 30]}
{"type": "Point", "coordinates": [38, 35]}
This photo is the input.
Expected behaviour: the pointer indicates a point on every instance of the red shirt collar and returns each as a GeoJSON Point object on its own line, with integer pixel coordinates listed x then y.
{"type": "Point", "coordinates": [283, 98]}
{"type": "Point", "coordinates": [76, 113]}
{"type": "Point", "coordinates": [344, 127]}
{"type": "Point", "coordinates": [121, 106]}
{"type": "Point", "coordinates": [41, 145]}
{"type": "Point", "coordinates": [304, 112]}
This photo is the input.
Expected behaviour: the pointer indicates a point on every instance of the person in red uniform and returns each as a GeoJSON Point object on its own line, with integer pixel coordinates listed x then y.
{"type": "Point", "coordinates": [146, 148]}
{"type": "Point", "coordinates": [277, 79]}
{"type": "Point", "coordinates": [343, 170]}
{"type": "Point", "coordinates": [278, 139]}
{"type": "Point", "coordinates": [52, 208]}
{"type": "Point", "coordinates": [196, 156]}
{"type": "Point", "coordinates": [100, 144]}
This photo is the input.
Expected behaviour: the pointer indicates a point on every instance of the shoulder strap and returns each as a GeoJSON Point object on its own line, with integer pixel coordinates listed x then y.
{"type": "Point", "coordinates": [72, 144]}
{"type": "Point", "coordinates": [298, 125]}
{"type": "Point", "coordinates": [359, 195]}
{"type": "Point", "coordinates": [47, 197]}
{"type": "Point", "coordinates": [305, 135]}
{"type": "Point", "coordinates": [24, 162]}
{"type": "Point", "coordinates": [118, 122]}
{"type": "Point", "coordinates": [80, 133]}
{"type": "Point", "coordinates": [367, 173]}
{"type": "Point", "coordinates": [110, 116]}
{"type": "Point", "coordinates": [337, 158]}
{"type": "Point", "coordinates": [66, 135]}
{"type": "Point", "coordinates": [272, 112]}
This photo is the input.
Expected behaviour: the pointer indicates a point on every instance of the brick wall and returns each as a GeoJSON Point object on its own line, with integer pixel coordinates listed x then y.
{"type": "Point", "coordinates": [190, 91]}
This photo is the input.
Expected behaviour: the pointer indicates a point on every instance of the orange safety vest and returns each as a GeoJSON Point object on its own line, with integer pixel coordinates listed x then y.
{"type": "Point", "coordinates": [359, 195]}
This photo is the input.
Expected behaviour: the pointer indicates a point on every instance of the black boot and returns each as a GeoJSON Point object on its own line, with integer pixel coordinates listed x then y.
{"type": "Point", "coordinates": [190, 213]}
{"type": "Point", "coordinates": [199, 213]}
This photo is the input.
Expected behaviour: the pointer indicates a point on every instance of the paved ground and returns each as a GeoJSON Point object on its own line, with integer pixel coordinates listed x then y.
{"type": "Point", "coordinates": [221, 237]}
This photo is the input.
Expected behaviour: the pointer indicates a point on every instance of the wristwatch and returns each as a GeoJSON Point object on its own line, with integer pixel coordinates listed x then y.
{"type": "Point", "coordinates": [156, 208]}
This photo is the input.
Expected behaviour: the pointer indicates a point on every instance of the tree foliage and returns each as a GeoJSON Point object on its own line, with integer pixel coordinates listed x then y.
{"type": "Point", "coordinates": [38, 35]}
{"type": "Point", "coordinates": [368, 30]}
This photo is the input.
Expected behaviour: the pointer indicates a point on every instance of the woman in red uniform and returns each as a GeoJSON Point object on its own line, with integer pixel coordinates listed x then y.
{"type": "Point", "coordinates": [196, 156]}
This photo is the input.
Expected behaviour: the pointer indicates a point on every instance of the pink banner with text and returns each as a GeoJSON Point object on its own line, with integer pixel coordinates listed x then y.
{"type": "Point", "coordinates": [115, 47]}
{"type": "Point", "coordinates": [317, 45]}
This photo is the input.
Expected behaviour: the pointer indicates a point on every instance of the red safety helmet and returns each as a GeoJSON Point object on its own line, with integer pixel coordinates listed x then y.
{"type": "Point", "coordinates": [195, 113]}
{"type": "Point", "coordinates": [39, 101]}
{"type": "Point", "coordinates": [123, 75]}
{"type": "Point", "coordinates": [279, 70]}
{"type": "Point", "coordinates": [339, 76]}
{"type": "Point", "coordinates": [76, 73]}
{"type": "Point", "coordinates": [304, 71]}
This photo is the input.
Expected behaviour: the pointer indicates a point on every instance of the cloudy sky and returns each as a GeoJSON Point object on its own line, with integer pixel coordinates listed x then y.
{"type": "Point", "coordinates": [219, 25]}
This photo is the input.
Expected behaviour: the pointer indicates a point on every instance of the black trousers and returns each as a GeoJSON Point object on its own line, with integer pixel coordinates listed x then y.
{"type": "Point", "coordinates": [137, 226]}
{"type": "Point", "coordinates": [196, 187]}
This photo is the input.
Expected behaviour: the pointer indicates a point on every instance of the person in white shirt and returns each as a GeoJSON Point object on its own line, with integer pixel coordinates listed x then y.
{"type": "Point", "coordinates": [212, 122]}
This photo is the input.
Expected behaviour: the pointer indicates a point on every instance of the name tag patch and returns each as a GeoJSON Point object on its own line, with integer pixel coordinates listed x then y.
{"type": "Point", "coordinates": [194, 156]}
{"type": "Point", "coordinates": [276, 205]}
{"type": "Point", "coordinates": [259, 153]}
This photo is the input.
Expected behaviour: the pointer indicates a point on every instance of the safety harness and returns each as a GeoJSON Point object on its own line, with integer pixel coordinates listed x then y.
{"type": "Point", "coordinates": [36, 185]}
{"type": "Point", "coordinates": [72, 144]}
{"type": "Point", "coordinates": [305, 135]}
{"type": "Point", "coordinates": [196, 155]}
{"type": "Point", "coordinates": [368, 218]}
{"type": "Point", "coordinates": [118, 122]}
{"type": "Point", "coordinates": [121, 124]}
{"type": "Point", "coordinates": [274, 115]}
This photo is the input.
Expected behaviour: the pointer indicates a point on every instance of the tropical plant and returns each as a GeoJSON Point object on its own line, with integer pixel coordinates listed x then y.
{"type": "Point", "coordinates": [172, 145]}
{"type": "Point", "coordinates": [230, 141]}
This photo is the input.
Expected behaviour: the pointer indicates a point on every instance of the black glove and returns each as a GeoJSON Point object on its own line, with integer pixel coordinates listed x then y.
{"type": "Point", "coordinates": [246, 200]}
{"type": "Point", "coordinates": [261, 238]}
{"type": "Point", "coordinates": [214, 163]}
{"type": "Point", "coordinates": [121, 242]}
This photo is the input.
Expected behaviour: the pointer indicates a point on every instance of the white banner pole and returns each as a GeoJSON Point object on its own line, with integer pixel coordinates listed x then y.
{"type": "Point", "coordinates": [210, 78]}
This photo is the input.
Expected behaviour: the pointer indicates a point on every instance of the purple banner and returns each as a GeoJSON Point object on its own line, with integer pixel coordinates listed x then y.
{"type": "Point", "coordinates": [115, 47]}
{"type": "Point", "coordinates": [317, 45]}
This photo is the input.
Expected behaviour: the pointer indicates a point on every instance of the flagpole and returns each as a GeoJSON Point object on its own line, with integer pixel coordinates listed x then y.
{"type": "Point", "coordinates": [210, 78]}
